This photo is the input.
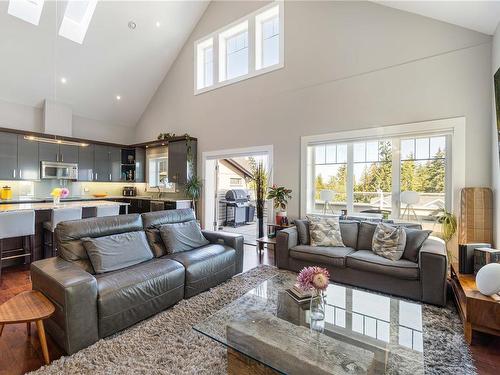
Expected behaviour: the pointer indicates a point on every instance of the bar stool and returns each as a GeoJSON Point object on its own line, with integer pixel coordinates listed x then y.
{"type": "Point", "coordinates": [57, 215]}
{"type": "Point", "coordinates": [17, 224]}
{"type": "Point", "coordinates": [109, 210]}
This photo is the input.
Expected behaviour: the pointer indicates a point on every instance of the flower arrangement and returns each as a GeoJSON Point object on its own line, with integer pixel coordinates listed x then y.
{"type": "Point", "coordinates": [59, 193]}
{"type": "Point", "coordinates": [313, 279]}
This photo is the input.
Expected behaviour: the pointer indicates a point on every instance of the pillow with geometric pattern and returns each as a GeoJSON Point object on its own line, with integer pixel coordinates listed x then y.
{"type": "Point", "coordinates": [325, 231]}
{"type": "Point", "coordinates": [389, 241]}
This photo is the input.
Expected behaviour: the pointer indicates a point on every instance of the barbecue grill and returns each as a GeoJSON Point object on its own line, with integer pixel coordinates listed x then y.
{"type": "Point", "coordinates": [238, 201]}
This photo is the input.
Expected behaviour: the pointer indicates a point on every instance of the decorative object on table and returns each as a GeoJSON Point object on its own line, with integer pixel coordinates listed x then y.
{"type": "Point", "coordinates": [484, 256]}
{"type": "Point", "coordinates": [343, 213]}
{"type": "Point", "coordinates": [476, 215]}
{"type": "Point", "coordinates": [315, 279]}
{"type": "Point", "coordinates": [410, 199]}
{"type": "Point", "coordinates": [327, 197]}
{"type": "Point", "coordinates": [6, 193]}
{"type": "Point", "coordinates": [101, 195]}
{"type": "Point", "coordinates": [280, 195]}
{"type": "Point", "coordinates": [59, 193]}
{"type": "Point", "coordinates": [448, 223]}
{"type": "Point", "coordinates": [389, 241]}
{"type": "Point", "coordinates": [325, 231]}
{"type": "Point", "coordinates": [466, 256]}
{"type": "Point", "coordinates": [259, 180]}
{"type": "Point", "coordinates": [130, 159]}
{"type": "Point", "coordinates": [488, 279]}
{"type": "Point", "coordinates": [299, 295]}
{"type": "Point", "coordinates": [193, 189]}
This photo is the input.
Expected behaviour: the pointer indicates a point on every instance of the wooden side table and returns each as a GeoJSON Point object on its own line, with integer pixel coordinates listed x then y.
{"type": "Point", "coordinates": [478, 312]}
{"type": "Point", "coordinates": [266, 241]}
{"type": "Point", "coordinates": [27, 307]}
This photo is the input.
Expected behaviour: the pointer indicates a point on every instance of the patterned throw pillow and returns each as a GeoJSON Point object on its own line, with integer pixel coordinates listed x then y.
{"type": "Point", "coordinates": [325, 231]}
{"type": "Point", "coordinates": [389, 241]}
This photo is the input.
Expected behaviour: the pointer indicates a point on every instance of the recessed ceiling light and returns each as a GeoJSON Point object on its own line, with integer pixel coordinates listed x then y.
{"type": "Point", "coordinates": [158, 24]}
{"type": "Point", "coordinates": [118, 97]}
{"type": "Point", "coordinates": [63, 80]}
{"type": "Point", "coordinates": [132, 25]}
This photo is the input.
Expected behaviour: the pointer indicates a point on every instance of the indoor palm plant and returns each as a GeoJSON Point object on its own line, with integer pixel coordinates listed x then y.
{"type": "Point", "coordinates": [259, 179]}
{"type": "Point", "coordinates": [448, 223]}
{"type": "Point", "coordinates": [193, 189]}
{"type": "Point", "coordinates": [280, 195]}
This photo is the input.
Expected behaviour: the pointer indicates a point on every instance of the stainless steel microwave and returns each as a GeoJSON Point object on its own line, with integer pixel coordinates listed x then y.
{"type": "Point", "coordinates": [58, 171]}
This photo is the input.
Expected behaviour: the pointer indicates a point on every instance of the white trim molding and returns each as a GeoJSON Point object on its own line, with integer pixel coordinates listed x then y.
{"type": "Point", "coordinates": [456, 156]}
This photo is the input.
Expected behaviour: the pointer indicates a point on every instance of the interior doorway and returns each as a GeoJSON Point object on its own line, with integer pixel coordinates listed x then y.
{"type": "Point", "coordinates": [228, 192]}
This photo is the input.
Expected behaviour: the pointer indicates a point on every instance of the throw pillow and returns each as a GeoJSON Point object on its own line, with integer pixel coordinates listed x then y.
{"type": "Point", "coordinates": [414, 241]}
{"type": "Point", "coordinates": [303, 231]}
{"type": "Point", "coordinates": [110, 253]}
{"type": "Point", "coordinates": [389, 241]}
{"type": "Point", "coordinates": [325, 231]}
{"type": "Point", "coordinates": [179, 237]}
{"type": "Point", "coordinates": [365, 236]}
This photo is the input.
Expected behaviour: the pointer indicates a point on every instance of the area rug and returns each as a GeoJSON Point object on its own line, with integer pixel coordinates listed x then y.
{"type": "Point", "coordinates": [166, 343]}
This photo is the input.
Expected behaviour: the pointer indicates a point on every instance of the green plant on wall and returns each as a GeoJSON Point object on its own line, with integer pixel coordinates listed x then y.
{"type": "Point", "coordinates": [280, 196]}
{"type": "Point", "coordinates": [193, 189]}
{"type": "Point", "coordinates": [259, 179]}
{"type": "Point", "coordinates": [448, 223]}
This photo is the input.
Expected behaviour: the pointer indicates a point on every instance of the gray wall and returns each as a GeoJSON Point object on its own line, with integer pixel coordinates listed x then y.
{"type": "Point", "coordinates": [495, 161]}
{"type": "Point", "coordinates": [348, 65]}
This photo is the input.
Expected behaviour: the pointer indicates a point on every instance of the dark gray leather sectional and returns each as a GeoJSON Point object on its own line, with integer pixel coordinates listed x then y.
{"type": "Point", "coordinates": [419, 275]}
{"type": "Point", "coordinates": [90, 306]}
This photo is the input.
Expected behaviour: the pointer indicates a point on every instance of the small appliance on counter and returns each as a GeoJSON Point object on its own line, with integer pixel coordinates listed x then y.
{"type": "Point", "coordinates": [6, 193]}
{"type": "Point", "coordinates": [129, 191]}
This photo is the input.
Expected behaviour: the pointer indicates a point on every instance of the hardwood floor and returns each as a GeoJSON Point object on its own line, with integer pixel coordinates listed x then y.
{"type": "Point", "coordinates": [20, 353]}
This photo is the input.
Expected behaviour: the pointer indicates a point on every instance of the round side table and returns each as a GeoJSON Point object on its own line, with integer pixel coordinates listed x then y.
{"type": "Point", "coordinates": [27, 307]}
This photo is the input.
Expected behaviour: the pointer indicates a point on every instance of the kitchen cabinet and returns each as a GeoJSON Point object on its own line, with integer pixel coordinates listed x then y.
{"type": "Point", "coordinates": [101, 163]}
{"type": "Point", "coordinates": [8, 156]}
{"type": "Point", "coordinates": [68, 153]}
{"type": "Point", "coordinates": [86, 163]}
{"type": "Point", "coordinates": [140, 164]}
{"type": "Point", "coordinates": [115, 160]}
{"type": "Point", "coordinates": [139, 206]}
{"type": "Point", "coordinates": [178, 155]}
{"type": "Point", "coordinates": [27, 159]}
{"type": "Point", "coordinates": [58, 153]}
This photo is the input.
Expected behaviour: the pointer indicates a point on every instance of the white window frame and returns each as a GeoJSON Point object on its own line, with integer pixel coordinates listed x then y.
{"type": "Point", "coordinates": [218, 47]}
{"type": "Point", "coordinates": [201, 63]}
{"type": "Point", "coordinates": [453, 128]}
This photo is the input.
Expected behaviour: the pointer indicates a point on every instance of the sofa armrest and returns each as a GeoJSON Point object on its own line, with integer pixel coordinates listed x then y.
{"type": "Point", "coordinates": [285, 240]}
{"type": "Point", "coordinates": [74, 293]}
{"type": "Point", "coordinates": [234, 240]}
{"type": "Point", "coordinates": [433, 265]}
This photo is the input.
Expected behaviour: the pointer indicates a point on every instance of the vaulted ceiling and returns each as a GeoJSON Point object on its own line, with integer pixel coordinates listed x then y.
{"type": "Point", "coordinates": [114, 59]}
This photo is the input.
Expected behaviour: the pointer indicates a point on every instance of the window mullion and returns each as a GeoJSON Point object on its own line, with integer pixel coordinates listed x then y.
{"type": "Point", "coordinates": [251, 45]}
{"type": "Point", "coordinates": [215, 59]}
{"type": "Point", "coordinates": [448, 192]}
{"type": "Point", "coordinates": [396, 178]}
{"type": "Point", "coordinates": [350, 178]}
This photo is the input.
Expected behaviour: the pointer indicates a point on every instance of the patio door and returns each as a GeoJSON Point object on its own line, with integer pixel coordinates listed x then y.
{"type": "Point", "coordinates": [227, 174]}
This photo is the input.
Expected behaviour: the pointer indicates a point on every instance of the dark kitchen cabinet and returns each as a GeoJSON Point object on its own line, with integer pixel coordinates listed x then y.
{"type": "Point", "coordinates": [27, 159]}
{"type": "Point", "coordinates": [179, 153]}
{"type": "Point", "coordinates": [140, 164]}
{"type": "Point", "coordinates": [115, 160]}
{"type": "Point", "coordinates": [86, 163]}
{"type": "Point", "coordinates": [68, 154]}
{"type": "Point", "coordinates": [102, 168]}
{"type": "Point", "coordinates": [48, 151]}
{"type": "Point", "coordinates": [8, 156]}
{"type": "Point", "coordinates": [139, 206]}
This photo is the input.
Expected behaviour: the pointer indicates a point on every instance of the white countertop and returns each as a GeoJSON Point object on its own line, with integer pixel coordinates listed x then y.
{"type": "Point", "coordinates": [51, 206]}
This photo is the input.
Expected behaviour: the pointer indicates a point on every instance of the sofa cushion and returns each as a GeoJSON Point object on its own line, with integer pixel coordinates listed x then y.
{"type": "Point", "coordinates": [154, 220]}
{"type": "Point", "coordinates": [415, 238]}
{"type": "Point", "coordinates": [179, 237]}
{"type": "Point", "coordinates": [349, 230]}
{"type": "Point", "coordinates": [206, 266]}
{"type": "Point", "coordinates": [325, 231]}
{"type": "Point", "coordinates": [303, 231]}
{"type": "Point", "coordinates": [389, 241]}
{"type": "Point", "coordinates": [117, 251]}
{"type": "Point", "coordinates": [365, 236]}
{"type": "Point", "coordinates": [321, 254]}
{"type": "Point", "coordinates": [367, 260]}
{"type": "Point", "coordinates": [131, 294]}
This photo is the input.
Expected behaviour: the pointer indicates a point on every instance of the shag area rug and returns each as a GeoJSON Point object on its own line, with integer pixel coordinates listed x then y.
{"type": "Point", "coordinates": [167, 344]}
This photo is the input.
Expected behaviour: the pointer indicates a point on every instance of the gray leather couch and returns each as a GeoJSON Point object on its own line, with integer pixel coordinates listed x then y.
{"type": "Point", "coordinates": [422, 278]}
{"type": "Point", "coordinates": [91, 306]}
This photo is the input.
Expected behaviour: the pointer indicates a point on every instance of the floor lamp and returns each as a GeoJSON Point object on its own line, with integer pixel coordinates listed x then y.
{"type": "Point", "coordinates": [326, 196]}
{"type": "Point", "coordinates": [410, 198]}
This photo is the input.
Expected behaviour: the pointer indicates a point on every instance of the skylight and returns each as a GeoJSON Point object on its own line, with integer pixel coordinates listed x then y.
{"type": "Point", "coordinates": [76, 19]}
{"type": "Point", "coordinates": [27, 10]}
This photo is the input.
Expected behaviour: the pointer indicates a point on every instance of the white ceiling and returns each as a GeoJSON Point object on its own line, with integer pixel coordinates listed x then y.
{"type": "Point", "coordinates": [113, 60]}
{"type": "Point", "coordinates": [482, 16]}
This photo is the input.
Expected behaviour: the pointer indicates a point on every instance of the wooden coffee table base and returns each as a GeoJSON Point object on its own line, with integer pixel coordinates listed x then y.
{"type": "Point", "coordinates": [240, 364]}
{"type": "Point", "coordinates": [27, 307]}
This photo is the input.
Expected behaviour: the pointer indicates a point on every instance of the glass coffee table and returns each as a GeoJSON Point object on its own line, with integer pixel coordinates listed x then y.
{"type": "Point", "coordinates": [267, 331]}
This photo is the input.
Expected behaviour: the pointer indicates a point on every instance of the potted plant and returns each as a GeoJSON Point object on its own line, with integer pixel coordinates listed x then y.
{"type": "Point", "coordinates": [448, 223]}
{"type": "Point", "coordinates": [193, 189]}
{"type": "Point", "coordinates": [280, 195]}
{"type": "Point", "coordinates": [259, 179]}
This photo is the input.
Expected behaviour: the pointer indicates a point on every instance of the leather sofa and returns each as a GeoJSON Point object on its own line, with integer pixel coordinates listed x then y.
{"type": "Point", "coordinates": [356, 264]}
{"type": "Point", "coordinates": [90, 306]}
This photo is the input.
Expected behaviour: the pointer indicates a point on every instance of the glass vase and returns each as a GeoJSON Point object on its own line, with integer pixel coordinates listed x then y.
{"type": "Point", "coordinates": [57, 200]}
{"type": "Point", "coordinates": [317, 311]}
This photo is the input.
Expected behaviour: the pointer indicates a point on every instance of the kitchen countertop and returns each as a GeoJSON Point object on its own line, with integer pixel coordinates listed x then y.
{"type": "Point", "coordinates": [87, 198]}
{"type": "Point", "coordinates": [37, 206]}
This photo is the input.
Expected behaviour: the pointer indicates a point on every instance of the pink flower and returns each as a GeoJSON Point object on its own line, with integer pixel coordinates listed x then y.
{"type": "Point", "coordinates": [313, 278]}
{"type": "Point", "coordinates": [64, 192]}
